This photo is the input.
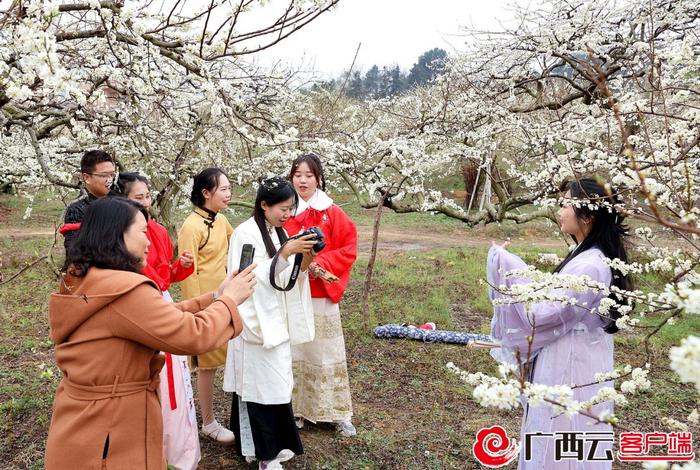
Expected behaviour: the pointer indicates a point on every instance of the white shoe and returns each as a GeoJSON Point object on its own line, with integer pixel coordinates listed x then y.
{"type": "Point", "coordinates": [270, 465]}
{"type": "Point", "coordinates": [299, 422]}
{"type": "Point", "coordinates": [284, 455]}
{"type": "Point", "coordinates": [276, 464]}
{"type": "Point", "coordinates": [346, 429]}
{"type": "Point", "coordinates": [218, 433]}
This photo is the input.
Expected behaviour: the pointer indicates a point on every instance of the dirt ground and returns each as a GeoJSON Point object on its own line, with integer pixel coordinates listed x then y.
{"type": "Point", "coordinates": [390, 239]}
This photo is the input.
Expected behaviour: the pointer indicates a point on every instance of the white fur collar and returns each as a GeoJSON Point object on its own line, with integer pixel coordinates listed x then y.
{"type": "Point", "coordinates": [319, 201]}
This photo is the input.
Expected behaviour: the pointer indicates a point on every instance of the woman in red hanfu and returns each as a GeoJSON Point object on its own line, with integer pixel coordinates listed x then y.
{"type": "Point", "coordinates": [321, 383]}
{"type": "Point", "coordinates": [180, 436]}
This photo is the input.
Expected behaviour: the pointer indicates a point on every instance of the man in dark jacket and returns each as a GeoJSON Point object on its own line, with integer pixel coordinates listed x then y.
{"type": "Point", "coordinates": [98, 172]}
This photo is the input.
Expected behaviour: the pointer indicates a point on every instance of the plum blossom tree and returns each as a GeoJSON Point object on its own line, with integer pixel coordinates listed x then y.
{"type": "Point", "coordinates": [610, 89]}
{"type": "Point", "coordinates": [165, 86]}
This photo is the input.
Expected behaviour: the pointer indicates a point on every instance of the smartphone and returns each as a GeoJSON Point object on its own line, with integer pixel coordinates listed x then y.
{"type": "Point", "coordinates": [247, 254]}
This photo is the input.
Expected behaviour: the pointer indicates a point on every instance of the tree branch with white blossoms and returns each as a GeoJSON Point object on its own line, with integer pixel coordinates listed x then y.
{"type": "Point", "coordinates": [609, 89]}
{"type": "Point", "coordinates": [164, 87]}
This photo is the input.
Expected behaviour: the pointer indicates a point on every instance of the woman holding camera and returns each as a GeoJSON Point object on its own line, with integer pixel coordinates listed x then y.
{"type": "Point", "coordinates": [109, 324]}
{"type": "Point", "coordinates": [321, 383]}
{"type": "Point", "coordinates": [259, 362]}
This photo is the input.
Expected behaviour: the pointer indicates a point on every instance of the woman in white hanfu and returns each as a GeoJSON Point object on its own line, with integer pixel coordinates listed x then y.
{"type": "Point", "coordinates": [562, 343]}
{"type": "Point", "coordinates": [259, 362]}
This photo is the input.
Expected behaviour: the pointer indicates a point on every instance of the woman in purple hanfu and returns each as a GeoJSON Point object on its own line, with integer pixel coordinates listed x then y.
{"type": "Point", "coordinates": [569, 343]}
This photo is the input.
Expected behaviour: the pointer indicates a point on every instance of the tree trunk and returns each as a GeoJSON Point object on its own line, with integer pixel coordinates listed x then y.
{"type": "Point", "coordinates": [165, 204]}
{"type": "Point", "coordinates": [472, 180]}
{"type": "Point", "coordinates": [372, 257]}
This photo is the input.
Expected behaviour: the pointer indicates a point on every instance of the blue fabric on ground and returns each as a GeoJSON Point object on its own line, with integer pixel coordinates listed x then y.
{"type": "Point", "coordinates": [393, 330]}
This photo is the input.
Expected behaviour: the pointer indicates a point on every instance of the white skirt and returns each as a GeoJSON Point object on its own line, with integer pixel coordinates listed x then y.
{"type": "Point", "coordinates": [180, 434]}
{"type": "Point", "coordinates": [321, 383]}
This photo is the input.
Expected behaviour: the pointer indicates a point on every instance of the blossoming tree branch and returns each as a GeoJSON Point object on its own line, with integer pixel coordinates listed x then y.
{"type": "Point", "coordinates": [165, 86]}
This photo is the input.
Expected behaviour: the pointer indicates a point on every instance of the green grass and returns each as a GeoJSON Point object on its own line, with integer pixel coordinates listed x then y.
{"type": "Point", "coordinates": [46, 209]}
{"type": "Point", "coordinates": [26, 391]}
{"type": "Point", "coordinates": [427, 286]}
{"type": "Point", "coordinates": [409, 410]}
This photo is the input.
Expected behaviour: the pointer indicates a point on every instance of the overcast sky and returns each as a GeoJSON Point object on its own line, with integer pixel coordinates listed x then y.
{"type": "Point", "coordinates": [390, 31]}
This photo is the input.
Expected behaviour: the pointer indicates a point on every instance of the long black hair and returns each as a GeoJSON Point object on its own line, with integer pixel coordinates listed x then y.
{"type": "Point", "coordinates": [607, 234]}
{"type": "Point", "coordinates": [272, 191]}
{"type": "Point", "coordinates": [100, 242]}
{"type": "Point", "coordinates": [314, 163]}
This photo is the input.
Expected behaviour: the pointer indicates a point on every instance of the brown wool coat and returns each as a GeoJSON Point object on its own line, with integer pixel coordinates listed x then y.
{"type": "Point", "coordinates": [108, 330]}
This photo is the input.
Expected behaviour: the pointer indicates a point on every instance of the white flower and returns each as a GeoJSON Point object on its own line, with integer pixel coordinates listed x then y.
{"type": "Point", "coordinates": [686, 466]}
{"type": "Point", "coordinates": [685, 360]}
{"type": "Point", "coordinates": [503, 396]}
{"type": "Point", "coordinates": [605, 304]}
{"type": "Point", "coordinates": [608, 394]}
{"type": "Point", "coordinates": [639, 382]}
{"type": "Point", "coordinates": [18, 93]}
{"type": "Point", "coordinates": [674, 424]}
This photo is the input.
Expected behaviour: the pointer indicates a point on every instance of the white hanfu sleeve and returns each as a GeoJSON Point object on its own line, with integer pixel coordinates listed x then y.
{"type": "Point", "coordinates": [262, 315]}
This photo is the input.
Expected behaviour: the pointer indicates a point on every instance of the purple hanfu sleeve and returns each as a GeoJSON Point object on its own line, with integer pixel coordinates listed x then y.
{"type": "Point", "coordinates": [498, 263]}
{"type": "Point", "coordinates": [544, 322]}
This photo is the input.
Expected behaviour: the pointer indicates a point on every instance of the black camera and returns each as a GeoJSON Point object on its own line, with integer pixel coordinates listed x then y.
{"type": "Point", "coordinates": [319, 236]}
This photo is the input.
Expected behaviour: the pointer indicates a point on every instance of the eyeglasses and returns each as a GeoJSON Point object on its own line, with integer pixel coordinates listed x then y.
{"type": "Point", "coordinates": [107, 176]}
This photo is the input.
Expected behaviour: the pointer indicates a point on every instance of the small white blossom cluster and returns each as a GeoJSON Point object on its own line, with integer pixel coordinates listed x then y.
{"type": "Point", "coordinates": [685, 360]}
{"type": "Point", "coordinates": [550, 258]}
{"type": "Point", "coordinates": [498, 395]}
{"type": "Point", "coordinates": [674, 424]}
{"type": "Point", "coordinates": [626, 322]}
{"type": "Point", "coordinates": [601, 377]}
{"type": "Point", "coordinates": [624, 268]}
{"type": "Point", "coordinates": [673, 264]}
{"type": "Point", "coordinates": [684, 295]}
{"type": "Point", "coordinates": [547, 287]}
{"type": "Point", "coordinates": [504, 392]}
{"type": "Point", "coordinates": [490, 391]}
{"type": "Point", "coordinates": [607, 394]}
{"type": "Point", "coordinates": [639, 381]}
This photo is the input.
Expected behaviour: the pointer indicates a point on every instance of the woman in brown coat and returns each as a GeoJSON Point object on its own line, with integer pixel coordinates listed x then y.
{"type": "Point", "coordinates": [109, 323]}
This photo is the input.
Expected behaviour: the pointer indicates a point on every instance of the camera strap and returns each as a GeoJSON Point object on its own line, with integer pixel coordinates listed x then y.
{"type": "Point", "coordinates": [295, 271]}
